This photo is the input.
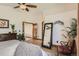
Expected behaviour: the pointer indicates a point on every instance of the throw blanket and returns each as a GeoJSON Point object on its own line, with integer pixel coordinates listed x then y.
{"type": "Point", "coordinates": [26, 49]}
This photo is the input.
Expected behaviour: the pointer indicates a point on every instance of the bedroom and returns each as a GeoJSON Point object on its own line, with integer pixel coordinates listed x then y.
{"type": "Point", "coordinates": [44, 13]}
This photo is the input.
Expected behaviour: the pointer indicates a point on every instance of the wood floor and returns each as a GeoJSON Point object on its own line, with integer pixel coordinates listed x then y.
{"type": "Point", "coordinates": [50, 52]}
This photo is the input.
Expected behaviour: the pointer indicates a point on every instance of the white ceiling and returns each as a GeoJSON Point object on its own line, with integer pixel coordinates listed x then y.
{"type": "Point", "coordinates": [48, 7]}
{"type": "Point", "coordinates": [45, 5]}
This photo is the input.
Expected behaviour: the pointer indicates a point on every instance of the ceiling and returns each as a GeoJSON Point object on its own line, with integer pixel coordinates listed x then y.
{"type": "Point", "coordinates": [45, 5]}
{"type": "Point", "coordinates": [48, 7]}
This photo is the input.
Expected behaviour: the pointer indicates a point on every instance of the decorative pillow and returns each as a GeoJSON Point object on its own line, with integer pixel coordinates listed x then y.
{"type": "Point", "coordinates": [70, 42]}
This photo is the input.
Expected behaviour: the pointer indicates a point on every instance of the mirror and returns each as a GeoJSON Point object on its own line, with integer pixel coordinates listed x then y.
{"type": "Point", "coordinates": [47, 35]}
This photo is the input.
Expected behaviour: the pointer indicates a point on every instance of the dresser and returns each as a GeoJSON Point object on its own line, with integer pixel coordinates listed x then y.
{"type": "Point", "coordinates": [8, 36]}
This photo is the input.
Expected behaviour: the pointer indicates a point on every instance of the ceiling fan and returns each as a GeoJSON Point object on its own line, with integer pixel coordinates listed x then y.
{"type": "Point", "coordinates": [25, 6]}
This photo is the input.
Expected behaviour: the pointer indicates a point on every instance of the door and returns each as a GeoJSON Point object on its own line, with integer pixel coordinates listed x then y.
{"type": "Point", "coordinates": [30, 30]}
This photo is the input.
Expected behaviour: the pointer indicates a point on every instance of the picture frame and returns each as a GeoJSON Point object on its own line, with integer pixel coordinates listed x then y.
{"type": "Point", "coordinates": [4, 23]}
{"type": "Point", "coordinates": [47, 35]}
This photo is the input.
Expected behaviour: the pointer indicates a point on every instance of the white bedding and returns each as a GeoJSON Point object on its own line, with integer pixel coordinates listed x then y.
{"type": "Point", "coordinates": [8, 48]}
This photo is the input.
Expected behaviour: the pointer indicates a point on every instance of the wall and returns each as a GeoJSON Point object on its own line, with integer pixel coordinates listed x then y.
{"type": "Point", "coordinates": [63, 16]}
{"type": "Point", "coordinates": [16, 16]}
{"type": "Point", "coordinates": [51, 12]}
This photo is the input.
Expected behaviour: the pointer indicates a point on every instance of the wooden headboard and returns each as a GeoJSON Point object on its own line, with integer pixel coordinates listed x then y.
{"type": "Point", "coordinates": [8, 36]}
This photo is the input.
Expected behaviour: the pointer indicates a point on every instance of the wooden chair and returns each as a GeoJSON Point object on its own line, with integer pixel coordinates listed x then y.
{"type": "Point", "coordinates": [66, 48]}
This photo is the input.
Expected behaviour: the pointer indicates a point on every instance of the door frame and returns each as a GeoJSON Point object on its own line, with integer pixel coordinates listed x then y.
{"type": "Point", "coordinates": [23, 30]}
{"type": "Point", "coordinates": [77, 41]}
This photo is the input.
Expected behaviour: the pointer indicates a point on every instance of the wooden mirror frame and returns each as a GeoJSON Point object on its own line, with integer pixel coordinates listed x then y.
{"type": "Point", "coordinates": [50, 36]}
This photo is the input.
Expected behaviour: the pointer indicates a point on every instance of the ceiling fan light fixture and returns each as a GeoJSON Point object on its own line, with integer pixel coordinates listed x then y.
{"type": "Point", "coordinates": [22, 6]}
{"type": "Point", "coordinates": [25, 6]}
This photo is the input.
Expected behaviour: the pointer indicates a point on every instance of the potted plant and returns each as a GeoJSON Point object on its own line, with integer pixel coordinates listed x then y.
{"type": "Point", "coordinates": [13, 28]}
{"type": "Point", "coordinates": [20, 36]}
{"type": "Point", "coordinates": [72, 30]}
{"type": "Point", "coordinates": [71, 34]}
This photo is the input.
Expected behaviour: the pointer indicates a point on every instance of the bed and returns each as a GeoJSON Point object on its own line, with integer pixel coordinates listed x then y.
{"type": "Point", "coordinates": [20, 48]}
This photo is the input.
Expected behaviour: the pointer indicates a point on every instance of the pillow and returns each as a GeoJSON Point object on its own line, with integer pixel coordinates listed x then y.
{"type": "Point", "coordinates": [70, 43]}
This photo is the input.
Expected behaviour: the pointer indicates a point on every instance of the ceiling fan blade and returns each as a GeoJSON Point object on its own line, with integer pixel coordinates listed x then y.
{"type": "Point", "coordinates": [32, 6]}
{"type": "Point", "coordinates": [27, 9]}
{"type": "Point", "coordinates": [16, 7]}
{"type": "Point", "coordinates": [23, 3]}
{"type": "Point", "coordinates": [19, 3]}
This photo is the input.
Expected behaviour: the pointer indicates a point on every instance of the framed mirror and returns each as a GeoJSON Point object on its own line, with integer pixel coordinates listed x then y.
{"type": "Point", "coordinates": [47, 35]}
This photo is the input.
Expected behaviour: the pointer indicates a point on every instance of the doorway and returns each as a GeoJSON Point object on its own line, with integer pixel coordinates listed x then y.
{"type": "Point", "coordinates": [29, 30]}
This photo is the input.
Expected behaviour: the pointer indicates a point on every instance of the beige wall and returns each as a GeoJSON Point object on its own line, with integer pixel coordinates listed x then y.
{"type": "Point", "coordinates": [43, 12]}
{"type": "Point", "coordinates": [53, 12]}
{"type": "Point", "coordinates": [16, 16]}
{"type": "Point", "coordinates": [63, 16]}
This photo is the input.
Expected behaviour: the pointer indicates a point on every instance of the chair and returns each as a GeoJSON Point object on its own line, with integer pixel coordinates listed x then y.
{"type": "Point", "coordinates": [66, 48]}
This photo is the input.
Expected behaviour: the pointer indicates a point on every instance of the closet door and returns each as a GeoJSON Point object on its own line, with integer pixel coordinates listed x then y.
{"type": "Point", "coordinates": [35, 31]}
{"type": "Point", "coordinates": [28, 29]}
